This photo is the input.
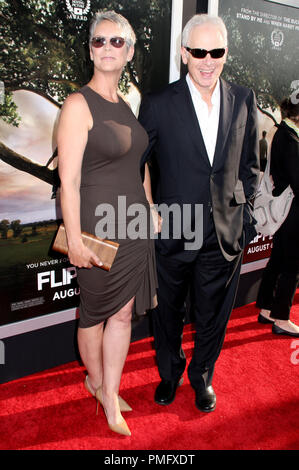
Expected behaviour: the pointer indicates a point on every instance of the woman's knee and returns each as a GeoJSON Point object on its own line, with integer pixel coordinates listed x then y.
{"type": "Point", "coordinates": [124, 315]}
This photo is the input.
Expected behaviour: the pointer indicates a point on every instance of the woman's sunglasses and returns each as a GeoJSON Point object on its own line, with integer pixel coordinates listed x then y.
{"type": "Point", "coordinates": [202, 53]}
{"type": "Point", "coordinates": [99, 41]}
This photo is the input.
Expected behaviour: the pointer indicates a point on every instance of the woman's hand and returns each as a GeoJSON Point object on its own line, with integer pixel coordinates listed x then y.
{"type": "Point", "coordinates": [156, 218]}
{"type": "Point", "coordinates": [82, 257]}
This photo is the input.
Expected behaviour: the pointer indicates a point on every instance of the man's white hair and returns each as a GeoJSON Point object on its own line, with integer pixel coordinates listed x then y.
{"type": "Point", "coordinates": [199, 20]}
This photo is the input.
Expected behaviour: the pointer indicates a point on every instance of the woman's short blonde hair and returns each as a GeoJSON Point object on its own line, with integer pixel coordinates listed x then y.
{"type": "Point", "coordinates": [116, 18]}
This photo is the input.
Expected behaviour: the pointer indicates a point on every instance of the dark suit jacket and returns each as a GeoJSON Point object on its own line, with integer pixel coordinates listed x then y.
{"type": "Point", "coordinates": [185, 174]}
{"type": "Point", "coordinates": [285, 171]}
{"type": "Point", "coordinates": [284, 166]}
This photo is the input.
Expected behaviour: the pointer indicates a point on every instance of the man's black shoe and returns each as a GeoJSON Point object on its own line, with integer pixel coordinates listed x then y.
{"type": "Point", "coordinates": [205, 399]}
{"type": "Point", "coordinates": [280, 331]}
{"type": "Point", "coordinates": [264, 320]}
{"type": "Point", "coordinates": [165, 392]}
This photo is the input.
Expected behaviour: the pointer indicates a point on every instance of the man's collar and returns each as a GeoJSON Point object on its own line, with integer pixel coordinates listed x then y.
{"type": "Point", "coordinates": [195, 92]}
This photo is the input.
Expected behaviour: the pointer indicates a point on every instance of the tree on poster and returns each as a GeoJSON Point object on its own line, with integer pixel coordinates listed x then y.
{"type": "Point", "coordinates": [47, 53]}
{"type": "Point", "coordinates": [44, 51]}
{"type": "Point", "coordinates": [263, 49]}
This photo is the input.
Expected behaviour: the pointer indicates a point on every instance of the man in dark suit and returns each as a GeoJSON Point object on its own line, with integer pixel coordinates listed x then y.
{"type": "Point", "coordinates": [203, 141]}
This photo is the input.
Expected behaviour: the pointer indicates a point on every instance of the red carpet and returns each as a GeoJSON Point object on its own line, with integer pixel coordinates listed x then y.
{"type": "Point", "coordinates": [256, 382]}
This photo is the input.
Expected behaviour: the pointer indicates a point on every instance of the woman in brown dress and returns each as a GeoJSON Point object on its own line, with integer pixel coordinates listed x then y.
{"type": "Point", "coordinates": [100, 143]}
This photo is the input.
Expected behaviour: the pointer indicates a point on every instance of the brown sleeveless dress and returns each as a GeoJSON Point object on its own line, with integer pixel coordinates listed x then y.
{"type": "Point", "coordinates": [110, 168]}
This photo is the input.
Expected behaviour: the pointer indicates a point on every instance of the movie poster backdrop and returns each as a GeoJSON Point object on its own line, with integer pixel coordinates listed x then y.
{"type": "Point", "coordinates": [263, 55]}
{"type": "Point", "coordinates": [44, 58]}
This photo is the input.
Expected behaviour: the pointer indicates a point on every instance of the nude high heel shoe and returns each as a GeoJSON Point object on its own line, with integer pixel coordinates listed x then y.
{"type": "Point", "coordinates": [123, 405]}
{"type": "Point", "coordinates": [119, 428]}
{"type": "Point", "coordinates": [89, 389]}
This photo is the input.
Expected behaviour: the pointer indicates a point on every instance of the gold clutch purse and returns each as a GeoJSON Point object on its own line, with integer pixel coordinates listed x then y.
{"type": "Point", "coordinates": [105, 249]}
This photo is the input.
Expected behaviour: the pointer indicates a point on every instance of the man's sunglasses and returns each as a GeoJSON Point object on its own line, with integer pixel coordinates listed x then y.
{"type": "Point", "coordinates": [99, 41]}
{"type": "Point", "coordinates": [202, 53]}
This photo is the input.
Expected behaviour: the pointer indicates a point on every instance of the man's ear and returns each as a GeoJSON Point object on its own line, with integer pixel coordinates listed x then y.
{"type": "Point", "coordinates": [184, 55]}
{"type": "Point", "coordinates": [226, 53]}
